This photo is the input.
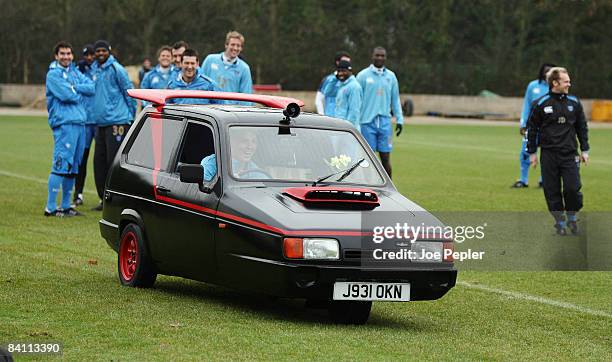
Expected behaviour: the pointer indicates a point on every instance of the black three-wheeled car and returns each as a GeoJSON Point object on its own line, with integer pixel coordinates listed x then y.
{"type": "Point", "coordinates": [264, 200]}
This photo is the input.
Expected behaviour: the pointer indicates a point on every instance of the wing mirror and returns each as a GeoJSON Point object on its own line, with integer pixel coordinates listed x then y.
{"type": "Point", "coordinates": [194, 174]}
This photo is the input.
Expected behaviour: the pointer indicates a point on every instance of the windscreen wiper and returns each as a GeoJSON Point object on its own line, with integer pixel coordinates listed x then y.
{"type": "Point", "coordinates": [350, 170]}
{"type": "Point", "coordinates": [345, 173]}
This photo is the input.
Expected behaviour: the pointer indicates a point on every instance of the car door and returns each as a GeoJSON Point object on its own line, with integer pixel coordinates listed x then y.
{"type": "Point", "coordinates": [187, 215]}
{"type": "Point", "coordinates": [141, 163]}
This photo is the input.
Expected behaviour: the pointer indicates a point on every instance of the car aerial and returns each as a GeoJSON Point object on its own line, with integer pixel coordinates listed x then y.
{"type": "Point", "coordinates": [268, 200]}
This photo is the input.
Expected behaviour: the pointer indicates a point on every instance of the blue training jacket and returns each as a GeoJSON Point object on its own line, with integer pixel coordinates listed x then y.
{"type": "Point", "coordinates": [87, 71]}
{"type": "Point", "coordinates": [380, 94]}
{"type": "Point", "coordinates": [199, 82]}
{"type": "Point", "coordinates": [156, 79]}
{"type": "Point", "coordinates": [209, 164]}
{"type": "Point", "coordinates": [235, 77]}
{"type": "Point", "coordinates": [349, 100]}
{"type": "Point", "coordinates": [174, 71]}
{"type": "Point", "coordinates": [535, 89]}
{"type": "Point", "coordinates": [65, 88]}
{"type": "Point", "coordinates": [112, 104]}
{"type": "Point", "coordinates": [329, 88]}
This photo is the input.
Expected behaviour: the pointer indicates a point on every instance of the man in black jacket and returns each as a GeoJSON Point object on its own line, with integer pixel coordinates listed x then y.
{"type": "Point", "coordinates": [558, 119]}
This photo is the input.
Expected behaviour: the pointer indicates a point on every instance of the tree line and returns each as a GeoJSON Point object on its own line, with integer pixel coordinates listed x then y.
{"type": "Point", "coordinates": [436, 47]}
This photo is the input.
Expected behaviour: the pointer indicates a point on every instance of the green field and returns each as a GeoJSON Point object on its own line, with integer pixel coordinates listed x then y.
{"type": "Point", "coordinates": [58, 278]}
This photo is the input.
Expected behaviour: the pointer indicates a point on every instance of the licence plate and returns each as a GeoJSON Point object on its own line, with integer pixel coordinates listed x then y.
{"type": "Point", "coordinates": [397, 292]}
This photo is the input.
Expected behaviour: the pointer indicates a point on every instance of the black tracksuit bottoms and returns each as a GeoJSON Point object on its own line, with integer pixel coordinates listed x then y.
{"type": "Point", "coordinates": [108, 140]}
{"type": "Point", "coordinates": [558, 166]}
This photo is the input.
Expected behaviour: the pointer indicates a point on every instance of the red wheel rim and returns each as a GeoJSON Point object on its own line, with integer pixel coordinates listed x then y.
{"type": "Point", "coordinates": [128, 256]}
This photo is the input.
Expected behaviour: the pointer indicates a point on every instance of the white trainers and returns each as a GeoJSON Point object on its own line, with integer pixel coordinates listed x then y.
{"type": "Point", "coordinates": [78, 200]}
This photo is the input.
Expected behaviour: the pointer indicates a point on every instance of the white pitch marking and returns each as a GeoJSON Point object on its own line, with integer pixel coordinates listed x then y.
{"type": "Point", "coordinates": [35, 179]}
{"type": "Point", "coordinates": [537, 299]}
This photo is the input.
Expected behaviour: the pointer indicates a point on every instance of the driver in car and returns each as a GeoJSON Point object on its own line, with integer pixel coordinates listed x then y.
{"type": "Point", "coordinates": [243, 148]}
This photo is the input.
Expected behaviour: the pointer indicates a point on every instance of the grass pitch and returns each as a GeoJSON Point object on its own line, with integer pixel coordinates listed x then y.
{"type": "Point", "coordinates": [58, 278]}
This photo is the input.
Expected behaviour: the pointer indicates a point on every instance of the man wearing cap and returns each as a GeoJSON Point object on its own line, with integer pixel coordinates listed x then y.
{"type": "Point", "coordinates": [348, 94]}
{"type": "Point", "coordinates": [231, 73]}
{"type": "Point", "coordinates": [87, 59]}
{"type": "Point", "coordinates": [380, 96]}
{"type": "Point", "coordinates": [85, 67]}
{"type": "Point", "coordinates": [191, 78]}
{"type": "Point", "coordinates": [326, 95]}
{"type": "Point", "coordinates": [113, 111]}
{"type": "Point", "coordinates": [65, 87]}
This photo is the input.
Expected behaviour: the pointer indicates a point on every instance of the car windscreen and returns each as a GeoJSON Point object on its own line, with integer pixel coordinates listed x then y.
{"type": "Point", "coordinates": [306, 154]}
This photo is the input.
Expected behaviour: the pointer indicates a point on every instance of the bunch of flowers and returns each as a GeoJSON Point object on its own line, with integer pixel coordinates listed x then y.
{"type": "Point", "coordinates": [340, 162]}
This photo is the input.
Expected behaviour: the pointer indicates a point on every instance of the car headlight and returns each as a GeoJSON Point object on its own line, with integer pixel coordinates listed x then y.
{"type": "Point", "coordinates": [311, 248]}
{"type": "Point", "coordinates": [427, 252]}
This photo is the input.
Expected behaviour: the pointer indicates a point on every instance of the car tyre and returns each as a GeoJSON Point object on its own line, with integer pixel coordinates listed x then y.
{"type": "Point", "coordinates": [5, 356]}
{"type": "Point", "coordinates": [134, 266]}
{"type": "Point", "coordinates": [349, 311]}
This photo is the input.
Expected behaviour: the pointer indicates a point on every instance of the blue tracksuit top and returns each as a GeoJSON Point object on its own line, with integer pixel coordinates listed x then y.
{"type": "Point", "coordinates": [235, 77]}
{"type": "Point", "coordinates": [199, 82]}
{"type": "Point", "coordinates": [209, 164]}
{"type": "Point", "coordinates": [174, 71]}
{"type": "Point", "coordinates": [380, 94]}
{"type": "Point", "coordinates": [535, 89]}
{"type": "Point", "coordinates": [329, 88]}
{"type": "Point", "coordinates": [349, 100]}
{"type": "Point", "coordinates": [65, 88]}
{"type": "Point", "coordinates": [156, 78]}
{"type": "Point", "coordinates": [112, 104]}
{"type": "Point", "coordinates": [87, 71]}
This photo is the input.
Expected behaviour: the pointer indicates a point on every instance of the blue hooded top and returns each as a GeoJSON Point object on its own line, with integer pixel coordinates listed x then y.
{"type": "Point", "coordinates": [329, 88]}
{"type": "Point", "coordinates": [112, 104]}
{"type": "Point", "coordinates": [199, 82]}
{"type": "Point", "coordinates": [349, 100]}
{"type": "Point", "coordinates": [65, 88]}
{"type": "Point", "coordinates": [535, 89]}
{"type": "Point", "coordinates": [87, 71]}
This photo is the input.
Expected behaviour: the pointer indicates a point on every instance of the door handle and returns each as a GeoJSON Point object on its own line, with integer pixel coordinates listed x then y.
{"type": "Point", "coordinates": [162, 189]}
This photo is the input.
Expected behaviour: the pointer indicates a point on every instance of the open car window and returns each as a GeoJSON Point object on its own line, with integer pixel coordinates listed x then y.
{"type": "Point", "coordinates": [305, 155]}
{"type": "Point", "coordinates": [198, 143]}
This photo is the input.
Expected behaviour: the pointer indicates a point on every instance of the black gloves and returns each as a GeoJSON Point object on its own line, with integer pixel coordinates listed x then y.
{"type": "Point", "coordinates": [398, 129]}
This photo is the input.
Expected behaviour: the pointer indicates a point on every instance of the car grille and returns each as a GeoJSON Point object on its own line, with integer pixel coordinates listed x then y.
{"type": "Point", "coordinates": [352, 254]}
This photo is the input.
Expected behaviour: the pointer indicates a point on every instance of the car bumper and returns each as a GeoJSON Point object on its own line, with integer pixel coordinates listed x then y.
{"type": "Point", "coordinates": [317, 281]}
{"type": "Point", "coordinates": [110, 232]}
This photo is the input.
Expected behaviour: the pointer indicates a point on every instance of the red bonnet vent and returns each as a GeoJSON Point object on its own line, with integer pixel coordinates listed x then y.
{"type": "Point", "coordinates": [334, 196]}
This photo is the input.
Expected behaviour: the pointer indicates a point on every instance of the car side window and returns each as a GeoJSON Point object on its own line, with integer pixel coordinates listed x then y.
{"type": "Point", "coordinates": [171, 135]}
{"type": "Point", "coordinates": [164, 132]}
{"type": "Point", "coordinates": [141, 151]}
{"type": "Point", "coordinates": [198, 143]}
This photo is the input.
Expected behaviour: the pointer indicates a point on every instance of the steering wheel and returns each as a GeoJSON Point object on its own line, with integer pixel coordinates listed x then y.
{"type": "Point", "coordinates": [254, 170]}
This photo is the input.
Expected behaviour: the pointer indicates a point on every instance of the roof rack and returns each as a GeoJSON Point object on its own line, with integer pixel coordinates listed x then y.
{"type": "Point", "coordinates": [159, 97]}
